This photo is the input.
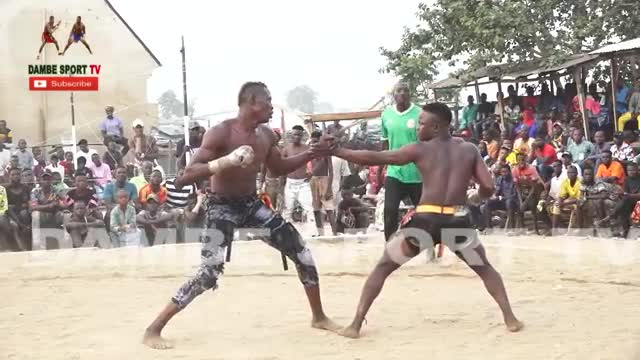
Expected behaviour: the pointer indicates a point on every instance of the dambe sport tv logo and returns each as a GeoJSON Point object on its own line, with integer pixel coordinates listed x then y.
{"type": "Point", "coordinates": [76, 79]}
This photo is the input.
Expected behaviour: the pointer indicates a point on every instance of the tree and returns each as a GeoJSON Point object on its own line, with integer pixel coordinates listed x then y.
{"type": "Point", "coordinates": [302, 98]}
{"type": "Point", "coordinates": [170, 106]}
{"type": "Point", "coordinates": [478, 33]}
{"type": "Point", "coordinates": [323, 107]}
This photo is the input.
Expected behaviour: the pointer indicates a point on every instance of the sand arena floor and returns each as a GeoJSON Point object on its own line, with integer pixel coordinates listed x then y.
{"type": "Point", "coordinates": [579, 299]}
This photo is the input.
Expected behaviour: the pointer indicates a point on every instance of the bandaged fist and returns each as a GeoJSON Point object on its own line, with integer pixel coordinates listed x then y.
{"type": "Point", "coordinates": [242, 156]}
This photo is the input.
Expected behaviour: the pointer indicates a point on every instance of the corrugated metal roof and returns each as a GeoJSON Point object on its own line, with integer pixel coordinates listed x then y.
{"type": "Point", "coordinates": [621, 46]}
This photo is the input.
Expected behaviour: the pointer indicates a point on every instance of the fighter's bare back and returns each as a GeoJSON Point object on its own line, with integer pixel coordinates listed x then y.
{"type": "Point", "coordinates": [227, 136]}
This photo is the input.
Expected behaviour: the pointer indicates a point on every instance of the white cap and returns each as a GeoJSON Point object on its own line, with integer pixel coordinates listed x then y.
{"type": "Point", "coordinates": [137, 122]}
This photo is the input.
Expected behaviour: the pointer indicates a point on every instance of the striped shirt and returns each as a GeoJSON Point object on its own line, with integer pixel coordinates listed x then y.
{"type": "Point", "coordinates": [178, 199]}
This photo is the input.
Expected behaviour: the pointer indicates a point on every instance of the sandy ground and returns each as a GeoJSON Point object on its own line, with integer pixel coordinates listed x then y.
{"type": "Point", "coordinates": [578, 297]}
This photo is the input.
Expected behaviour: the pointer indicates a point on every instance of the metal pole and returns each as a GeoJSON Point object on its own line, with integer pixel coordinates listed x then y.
{"type": "Point", "coordinates": [186, 106]}
{"type": "Point", "coordinates": [73, 128]}
{"type": "Point", "coordinates": [613, 95]}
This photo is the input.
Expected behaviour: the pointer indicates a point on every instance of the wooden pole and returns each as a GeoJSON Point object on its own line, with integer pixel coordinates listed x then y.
{"type": "Point", "coordinates": [577, 77]}
{"type": "Point", "coordinates": [613, 94]}
{"type": "Point", "coordinates": [501, 104]}
{"type": "Point", "coordinates": [477, 92]}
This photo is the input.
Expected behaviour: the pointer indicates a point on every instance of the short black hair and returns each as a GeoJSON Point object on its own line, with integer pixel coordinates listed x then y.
{"type": "Point", "coordinates": [585, 169]}
{"type": "Point", "coordinates": [505, 165]}
{"type": "Point", "coordinates": [607, 151]}
{"type": "Point", "coordinates": [316, 134]}
{"type": "Point", "coordinates": [82, 159]}
{"type": "Point", "coordinates": [442, 111]}
{"type": "Point", "coordinates": [248, 91]}
{"type": "Point", "coordinates": [297, 127]}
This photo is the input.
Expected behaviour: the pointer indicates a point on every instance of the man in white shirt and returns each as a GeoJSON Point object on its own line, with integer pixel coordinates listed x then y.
{"type": "Point", "coordinates": [55, 167]}
{"type": "Point", "coordinates": [5, 159]}
{"type": "Point", "coordinates": [84, 151]}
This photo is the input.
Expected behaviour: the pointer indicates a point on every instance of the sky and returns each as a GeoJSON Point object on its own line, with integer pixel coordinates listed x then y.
{"type": "Point", "coordinates": [331, 46]}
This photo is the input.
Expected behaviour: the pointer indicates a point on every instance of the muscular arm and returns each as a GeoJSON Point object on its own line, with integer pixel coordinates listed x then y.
{"type": "Point", "coordinates": [404, 155]}
{"type": "Point", "coordinates": [198, 167]}
{"type": "Point", "coordinates": [280, 165]}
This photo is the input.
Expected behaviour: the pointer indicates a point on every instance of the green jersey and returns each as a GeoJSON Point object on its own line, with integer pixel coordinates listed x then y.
{"type": "Point", "coordinates": [400, 129]}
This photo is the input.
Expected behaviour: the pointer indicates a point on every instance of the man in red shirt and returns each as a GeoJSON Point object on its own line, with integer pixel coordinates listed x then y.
{"type": "Point", "coordinates": [545, 155]}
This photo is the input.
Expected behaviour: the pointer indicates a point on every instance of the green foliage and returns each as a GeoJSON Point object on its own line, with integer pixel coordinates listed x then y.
{"type": "Point", "coordinates": [170, 106]}
{"type": "Point", "coordinates": [475, 33]}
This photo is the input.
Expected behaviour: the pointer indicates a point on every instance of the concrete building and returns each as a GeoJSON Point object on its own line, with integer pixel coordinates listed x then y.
{"type": "Point", "coordinates": [44, 117]}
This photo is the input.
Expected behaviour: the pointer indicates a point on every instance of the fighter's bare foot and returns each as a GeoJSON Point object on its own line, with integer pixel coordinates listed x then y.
{"type": "Point", "coordinates": [514, 325]}
{"type": "Point", "coordinates": [350, 332]}
{"type": "Point", "coordinates": [325, 324]}
{"type": "Point", "coordinates": [153, 340]}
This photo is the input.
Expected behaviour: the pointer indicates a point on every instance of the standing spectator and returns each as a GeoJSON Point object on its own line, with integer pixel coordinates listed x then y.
{"type": "Point", "coordinates": [143, 179]}
{"type": "Point", "coordinates": [297, 182]}
{"type": "Point", "coordinates": [25, 157]}
{"type": "Point", "coordinates": [144, 146]}
{"type": "Point", "coordinates": [622, 94]}
{"type": "Point", "coordinates": [195, 140]}
{"type": "Point", "coordinates": [179, 198]}
{"type": "Point", "coordinates": [6, 137]}
{"type": "Point", "coordinates": [153, 220]}
{"type": "Point", "coordinates": [5, 160]}
{"type": "Point", "coordinates": [271, 184]}
{"type": "Point", "coordinates": [82, 193]}
{"type": "Point", "coordinates": [485, 109]}
{"type": "Point", "coordinates": [610, 171]}
{"type": "Point", "coordinates": [579, 148]}
{"type": "Point", "coordinates": [399, 123]}
{"type": "Point", "coordinates": [320, 183]}
{"type": "Point", "coordinates": [18, 196]}
{"type": "Point", "coordinates": [469, 115]}
{"type": "Point", "coordinates": [153, 187]}
{"type": "Point", "coordinates": [334, 128]}
{"type": "Point", "coordinates": [123, 230]}
{"type": "Point", "coordinates": [101, 171]}
{"type": "Point", "coordinates": [530, 100]}
{"type": "Point", "coordinates": [79, 224]}
{"type": "Point", "coordinates": [55, 166]}
{"type": "Point", "coordinates": [113, 131]}
{"type": "Point", "coordinates": [631, 196]}
{"type": "Point", "coordinates": [84, 151]}
{"type": "Point", "coordinates": [112, 156]}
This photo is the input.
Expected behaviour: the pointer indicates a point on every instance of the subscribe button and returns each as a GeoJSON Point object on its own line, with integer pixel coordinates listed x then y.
{"type": "Point", "coordinates": [60, 83]}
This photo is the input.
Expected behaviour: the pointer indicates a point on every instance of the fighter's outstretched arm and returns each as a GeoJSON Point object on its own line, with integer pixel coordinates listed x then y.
{"type": "Point", "coordinates": [402, 156]}
{"type": "Point", "coordinates": [281, 166]}
{"type": "Point", "coordinates": [198, 168]}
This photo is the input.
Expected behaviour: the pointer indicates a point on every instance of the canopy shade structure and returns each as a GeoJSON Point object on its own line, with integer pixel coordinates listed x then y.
{"type": "Point", "coordinates": [343, 116]}
{"type": "Point", "coordinates": [632, 45]}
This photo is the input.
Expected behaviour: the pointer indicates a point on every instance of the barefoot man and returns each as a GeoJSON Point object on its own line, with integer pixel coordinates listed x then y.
{"type": "Point", "coordinates": [47, 36]}
{"type": "Point", "coordinates": [77, 34]}
{"type": "Point", "coordinates": [446, 165]}
{"type": "Point", "coordinates": [231, 154]}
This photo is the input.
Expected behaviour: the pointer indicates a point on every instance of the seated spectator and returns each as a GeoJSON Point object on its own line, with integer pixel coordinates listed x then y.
{"type": "Point", "coordinates": [38, 169]}
{"type": "Point", "coordinates": [598, 197]}
{"type": "Point", "coordinates": [143, 179]}
{"type": "Point", "coordinates": [623, 209]}
{"type": "Point", "coordinates": [79, 224]}
{"type": "Point", "coordinates": [112, 156]}
{"type": "Point", "coordinates": [112, 130]}
{"type": "Point", "coordinates": [544, 155]}
{"type": "Point", "coordinates": [6, 240]}
{"type": "Point", "coordinates": [568, 197]}
{"type": "Point", "coordinates": [46, 207]}
{"type": "Point", "coordinates": [610, 171]}
{"type": "Point", "coordinates": [621, 150]}
{"type": "Point", "coordinates": [504, 198]}
{"type": "Point", "coordinates": [194, 212]}
{"type": "Point", "coordinates": [123, 230]}
{"type": "Point", "coordinates": [579, 148]}
{"type": "Point", "coordinates": [55, 166]}
{"type": "Point", "coordinates": [18, 196]}
{"type": "Point", "coordinates": [84, 194]}
{"type": "Point", "coordinates": [558, 139]}
{"type": "Point", "coordinates": [101, 172]}
{"type": "Point", "coordinates": [109, 196]}
{"type": "Point", "coordinates": [14, 163]}
{"type": "Point", "coordinates": [58, 186]}
{"type": "Point", "coordinates": [6, 137]}
{"type": "Point", "coordinates": [551, 188]}
{"type": "Point", "coordinates": [69, 166]}
{"type": "Point", "coordinates": [511, 156]}
{"type": "Point", "coordinates": [154, 220]}
{"type": "Point", "coordinates": [523, 143]}
{"type": "Point", "coordinates": [83, 151]}
{"type": "Point", "coordinates": [567, 161]}
{"type": "Point", "coordinates": [28, 178]}
{"type": "Point", "coordinates": [352, 213]}
{"type": "Point", "coordinates": [599, 146]}
{"type": "Point", "coordinates": [5, 160]}
{"type": "Point", "coordinates": [144, 146]}
{"type": "Point", "coordinates": [25, 157]}
{"type": "Point", "coordinates": [528, 186]}
{"type": "Point", "coordinates": [153, 187]}
{"type": "Point", "coordinates": [83, 169]}
{"type": "Point", "coordinates": [489, 138]}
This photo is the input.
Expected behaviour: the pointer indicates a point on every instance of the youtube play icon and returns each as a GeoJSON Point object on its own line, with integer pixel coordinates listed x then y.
{"type": "Point", "coordinates": [63, 83]}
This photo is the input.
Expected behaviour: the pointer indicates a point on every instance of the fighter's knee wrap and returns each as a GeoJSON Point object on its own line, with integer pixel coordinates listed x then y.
{"type": "Point", "coordinates": [286, 237]}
